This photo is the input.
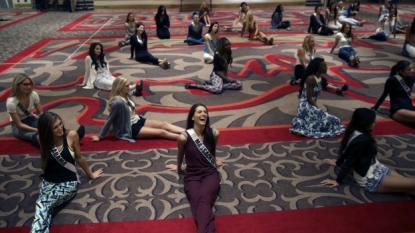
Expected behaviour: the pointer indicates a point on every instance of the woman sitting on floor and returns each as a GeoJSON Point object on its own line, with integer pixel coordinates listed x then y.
{"type": "Point", "coordinates": [343, 16]}
{"type": "Point", "coordinates": [353, 9]}
{"type": "Point", "coordinates": [194, 33]}
{"type": "Point", "coordinates": [211, 41]}
{"type": "Point", "coordinates": [318, 24]}
{"type": "Point", "coordinates": [332, 17]}
{"type": "Point", "coordinates": [304, 55]}
{"type": "Point", "coordinates": [60, 152]}
{"type": "Point", "coordinates": [130, 29]}
{"type": "Point", "coordinates": [277, 21]}
{"type": "Point", "coordinates": [162, 23]}
{"type": "Point", "coordinates": [204, 14]}
{"type": "Point", "coordinates": [126, 124]}
{"type": "Point", "coordinates": [409, 45]}
{"type": "Point", "coordinates": [219, 79]}
{"type": "Point", "coordinates": [201, 181]}
{"type": "Point", "coordinates": [97, 72]}
{"type": "Point", "coordinates": [139, 48]}
{"type": "Point", "coordinates": [20, 105]}
{"type": "Point", "coordinates": [358, 151]}
{"type": "Point", "coordinates": [253, 30]}
{"type": "Point", "coordinates": [312, 121]}
{"type": "Point", "coordinates": [386, 22]}
{"type": "Point", "coordinates": [344, 39]}
{"type": "Point", "coordinates": [399, 88]}
{"type": "Point", "coordinates": [238, 23]}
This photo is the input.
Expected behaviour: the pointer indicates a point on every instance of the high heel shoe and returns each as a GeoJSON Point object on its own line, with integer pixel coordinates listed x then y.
{"type": "Point", "coordinates": [190, 86]}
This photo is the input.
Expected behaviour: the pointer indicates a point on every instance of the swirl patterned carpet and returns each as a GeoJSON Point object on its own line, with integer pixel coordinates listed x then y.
{"type": "Point", "coordinates": [267, 169]}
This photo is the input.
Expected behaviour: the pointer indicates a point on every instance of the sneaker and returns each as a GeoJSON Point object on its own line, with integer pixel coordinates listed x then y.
{"type": "Point", "coordinates": [165, 64]}
{"type": "Point", "coordinates": [190, 86]}
{"type": "Point", "coordinates": [271, 41]}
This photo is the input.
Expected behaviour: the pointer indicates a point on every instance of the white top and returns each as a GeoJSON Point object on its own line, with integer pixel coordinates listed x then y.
{"type": "Point", "coordinates": [308, 58]}
{"type": "Point", "coordinates": [344, 42]}
{"type": "Point", "coordinates": [133, 115]}
{"type": "Point", "coordinates": [386, 28]}
{"type": "Point", "coordinates": [12, 102]}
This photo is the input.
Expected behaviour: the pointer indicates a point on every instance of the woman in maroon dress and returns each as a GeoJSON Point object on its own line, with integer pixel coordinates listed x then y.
{"type": "Point", "coordinates": [201, 182]}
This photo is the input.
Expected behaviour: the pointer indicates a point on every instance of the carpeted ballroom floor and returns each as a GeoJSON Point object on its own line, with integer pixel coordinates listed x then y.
{"type": "Point", "coordinates": [268, 171]}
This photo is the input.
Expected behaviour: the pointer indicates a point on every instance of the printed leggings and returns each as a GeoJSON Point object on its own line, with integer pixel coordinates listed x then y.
{"type": "Point", "coordinates": [51, 195]}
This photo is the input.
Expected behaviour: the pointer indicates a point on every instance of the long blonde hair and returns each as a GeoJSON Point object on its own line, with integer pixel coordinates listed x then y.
{"type": "Point", "coordinates": [306, 43]}
{"type": "Point", "coordinates": [117, 86]}
{"type": "Point", "coordinates": [17, 80]}
{"type": "Point", "coordinates": [249, 22]}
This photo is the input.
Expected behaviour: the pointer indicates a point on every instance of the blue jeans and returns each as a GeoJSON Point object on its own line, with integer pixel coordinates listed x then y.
{"type": "Point", "coordinates": [23, 134]}
{"type": "Point", "coordinates": [195, 41]}
{"type": "Point", "coordinates": [379, 36]}
{"type": "Point", "coordinates": [346, 53]}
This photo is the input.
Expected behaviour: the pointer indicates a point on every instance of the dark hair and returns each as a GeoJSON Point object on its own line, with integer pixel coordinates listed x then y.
{"type": "Point", "coordinates": [349, 33]}
{"type": "Point", "coordinates": [335, 9]}
{"type": "Point", "coordinates": [316, 7]}
{"type": "Point", "coordinates": [100, 58]}
{"type": "Point", "coordinates": [159, 11]}
{"type": "Point", "coordinates": [128, 16]}
{"type": "Point", "coordinates": [194, 13]}
{"type": "Point", "coordinates": [312, 69]}
{"type": "Point", "coordinates": [412, 30]}
{"type": "Point", "coordinates": [45, 132]}
{"type": "Point", "coordinates": [209, 138]}
{"type": "Point", "coordinates": [356, 5]}
{"type": "Point", "coordinates": [144, 35]}
{"type": "Point", "coordinates": [221, 52]}
{"type": "Point", "coordinates": [399, 66]}
{"type": "Point", "coordinates": [211, 26]}
{"type": "Point", "coordinates": [243, 3]}
{"type": "Point", "coordinates": [362, 119]}
{"type": "Point", "coordinates": [277, 10]}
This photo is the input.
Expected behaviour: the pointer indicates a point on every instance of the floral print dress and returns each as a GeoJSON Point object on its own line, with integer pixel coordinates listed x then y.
{"type": "Point", "coordinates": [312, 121]}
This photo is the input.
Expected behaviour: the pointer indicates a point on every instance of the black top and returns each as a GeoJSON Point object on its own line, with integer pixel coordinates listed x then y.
{"type": "Point", "coordinates": [315, 24]}
{"type": "Point", "coordinates": [54, 171]}
{"type": "Point", "coordinates": [399, 99]}
{"type": "Point", "coordinates": [162, 23]}
{"type": "Point", "coordinates": [136, 47]}
{"type": "Point", "coordinates": [193, 33]}
{"type": "Point", "coordinates": [358, 155]}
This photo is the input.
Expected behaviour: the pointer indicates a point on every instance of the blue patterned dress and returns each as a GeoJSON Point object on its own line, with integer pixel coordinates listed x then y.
{"type": "Point", "coordinates": [312, 121]}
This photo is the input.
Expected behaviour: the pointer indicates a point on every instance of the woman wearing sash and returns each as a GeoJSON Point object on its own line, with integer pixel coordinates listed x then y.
{"type": "Point", "coordinates": [399, 88]}
{"type": "Point", "coordinates": [20, 105]}
{"type": "Point", "coordinates": [201, 182]}
{"type": "Point", "coordinates": [318, 23]}
{"type": "Point", "coordinates": [60, 152]}
{"type": "Point", "coordinates": [126, 123]}
{"type": "Point", "coordinates": [312, 121]}
{"type": "Point", "coordinates": [358, 152]}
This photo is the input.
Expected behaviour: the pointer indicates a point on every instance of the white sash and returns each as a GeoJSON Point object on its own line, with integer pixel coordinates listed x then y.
{"type": "Point", "coordinates": [202, 148]}
{"type": "Point", "coordinates": [355, 134]}
{"type": "Point", "coordinates": [404, 86]}
{"type": "Point", "coordinates": [58, 157]}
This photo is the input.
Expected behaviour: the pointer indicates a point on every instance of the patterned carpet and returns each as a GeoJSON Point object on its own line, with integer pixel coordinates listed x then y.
{"type": "Point", "coordinates": [257, 177]}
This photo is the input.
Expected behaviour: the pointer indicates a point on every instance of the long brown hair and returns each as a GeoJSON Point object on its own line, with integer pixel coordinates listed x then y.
{"type": "Point", "coordinates": [349, 34]}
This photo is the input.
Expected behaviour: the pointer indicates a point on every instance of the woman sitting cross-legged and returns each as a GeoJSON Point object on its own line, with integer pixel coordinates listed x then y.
{"type": "Point", "coordinates": [358, 151]}
{"type": "Point", "coordinates": [344, 39]}
{"type": "Point", "coordinates": [253, 30]}
{"type": "Point", "coordinates": [126, 124]}
{"type": "Point", "coordinates": [97, 72]}
{"type": "Point", "coordinates": [211, 41]}
{"type": "Point", "coordinates": [219, 79]}
{"type": "Point", "coordinates": [130, 29]}
{"type": "Point", "coordinates": [318, 24]}
{"type": "Point", "coordinates": [201, 182]}
{"type": "Point", "coordinates": [194, 31]}
{"type": "Point", "coordinates": [304, 55]}
{"type": "Point", "coordinates": [139, 48]}
{"type": "Point", "coordinates": [399, 88]}
{"type": "Point", "coordinates": [60, 152]}
{"type": "Point", "coordinates": [312, 121]}
{"type": "Point", "coordinates": [277, 21]}
{"type": "Point", "coordinates": [162, 23]}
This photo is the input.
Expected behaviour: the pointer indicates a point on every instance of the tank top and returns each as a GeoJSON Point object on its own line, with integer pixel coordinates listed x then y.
{"type": "Point", "coordinates": [344, 42]}
{"type": "Point", "coordinates": [308, 58]}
